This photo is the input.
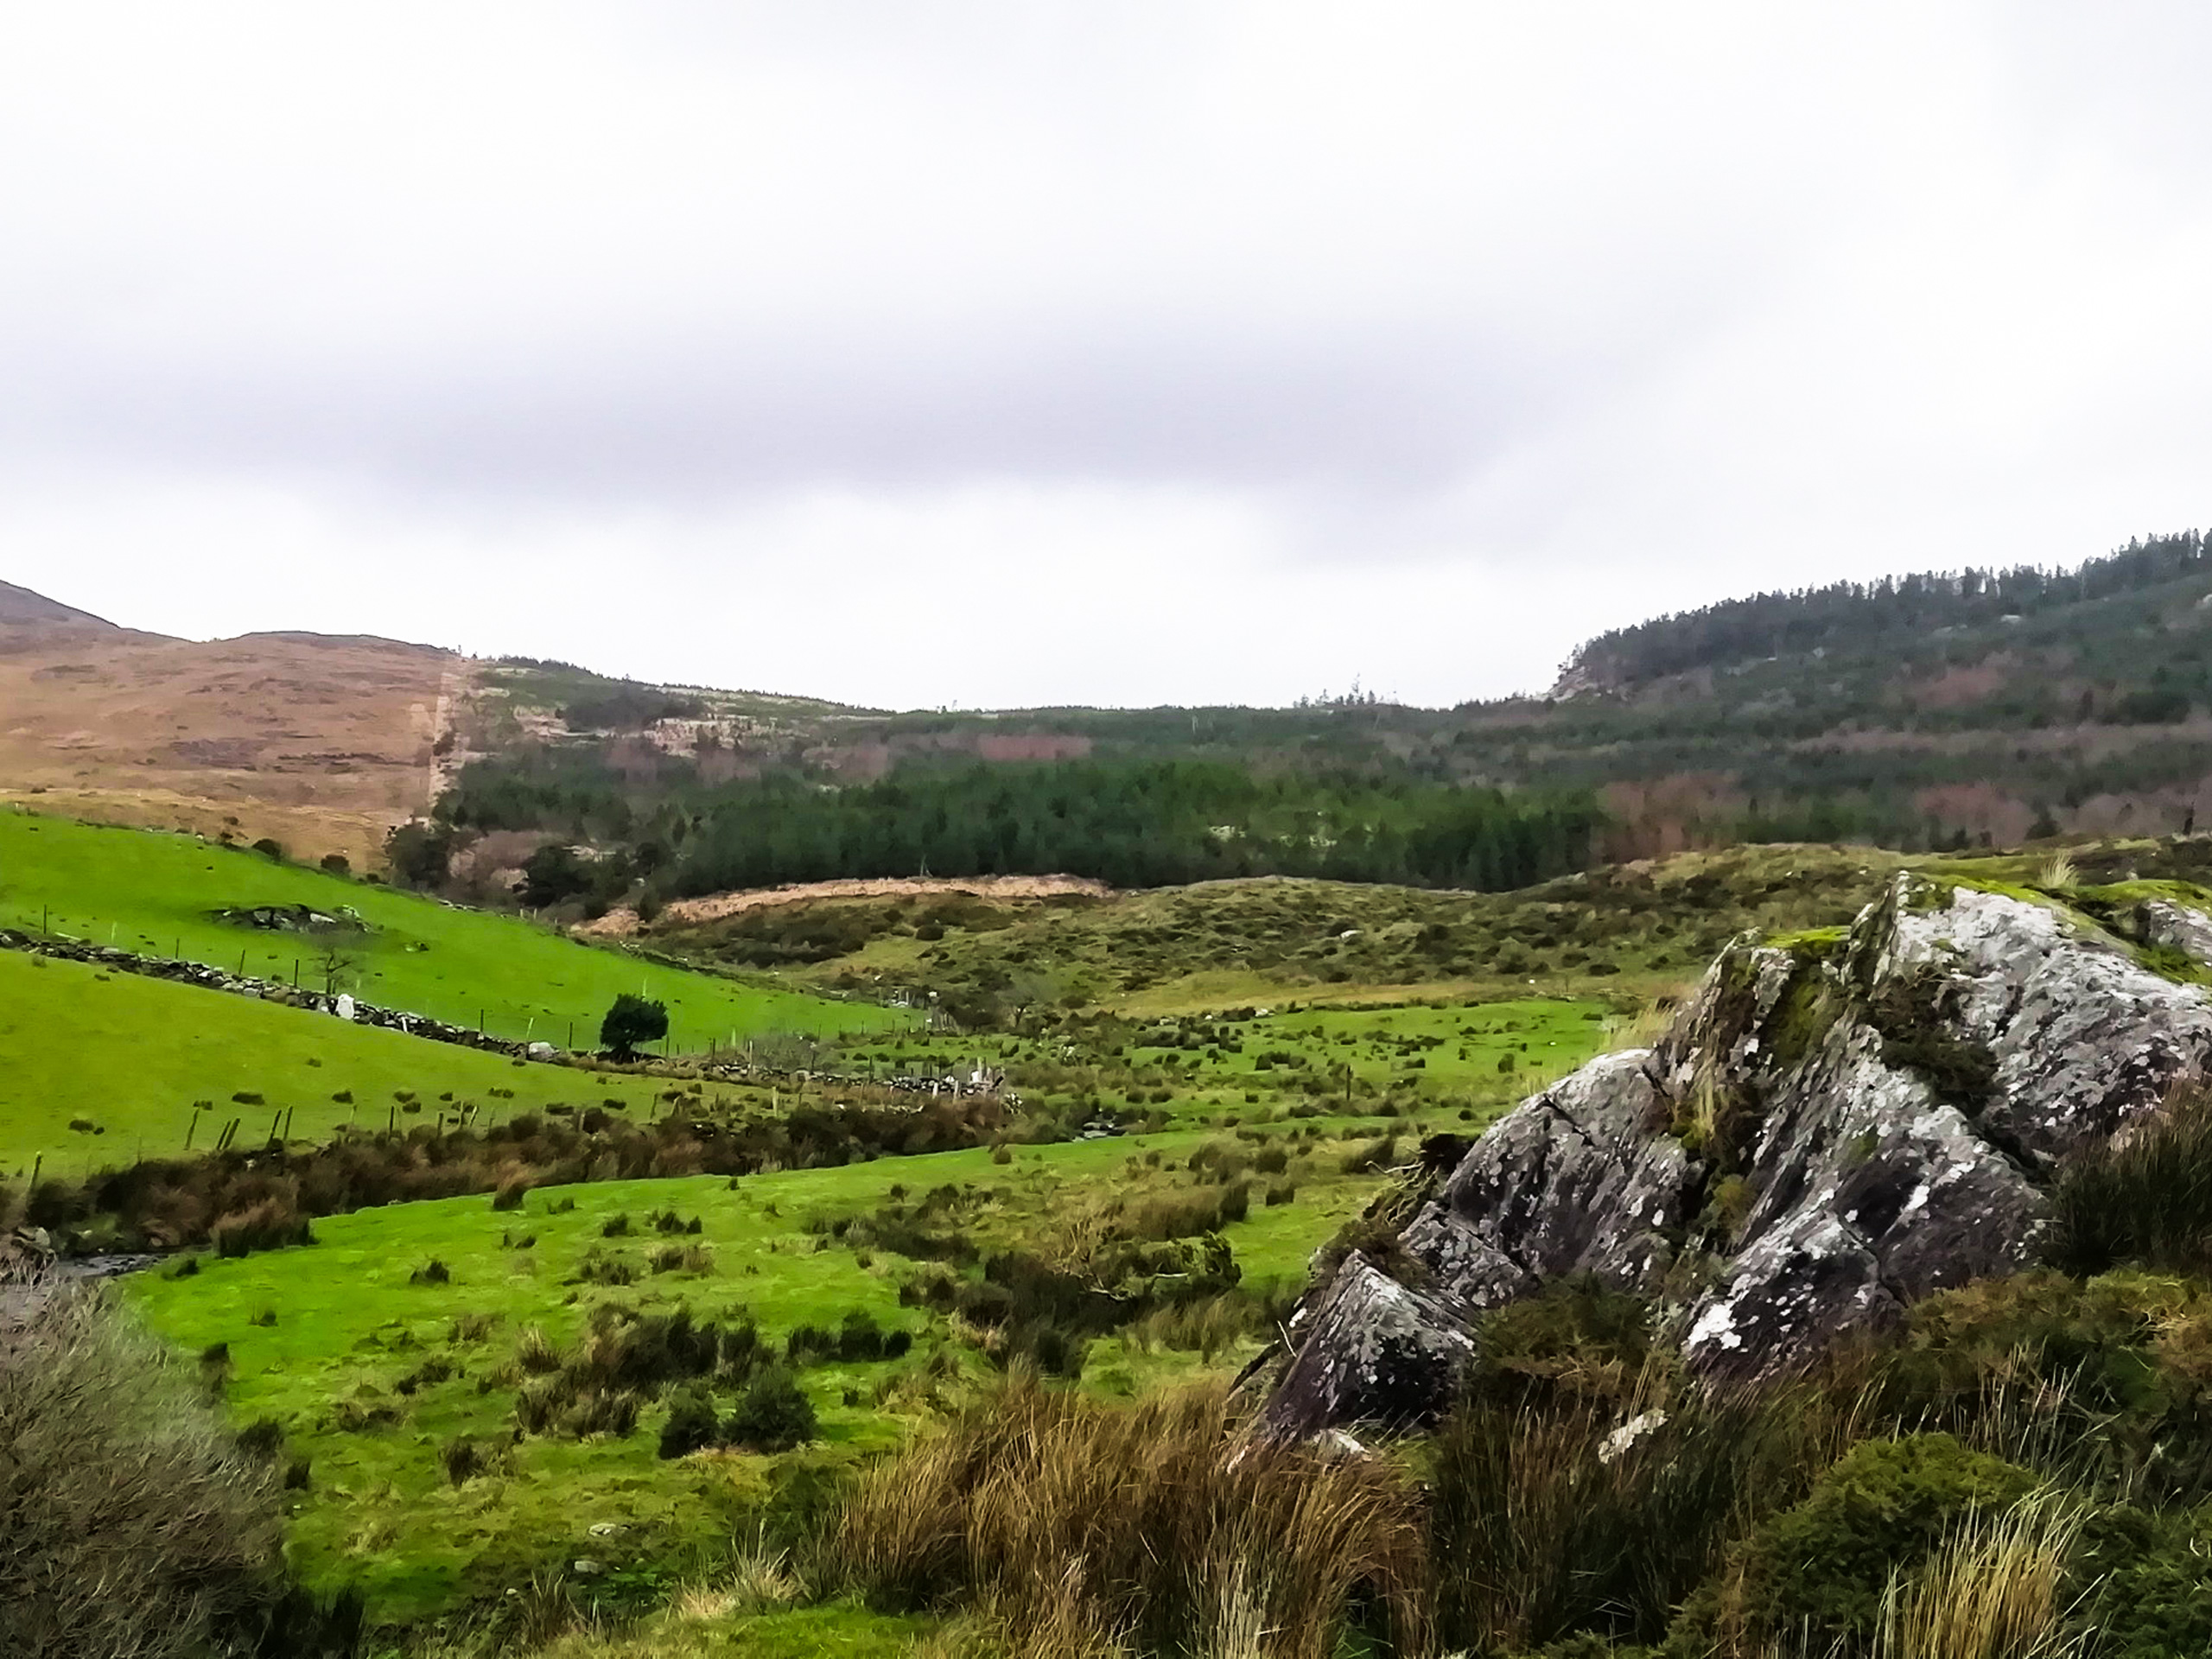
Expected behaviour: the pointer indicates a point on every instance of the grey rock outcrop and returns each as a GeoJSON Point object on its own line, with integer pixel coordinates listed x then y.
{"type": "Point", "coordinates": [1830, 1129]}
{"type": "Point", "coordinates": [2158, 921]}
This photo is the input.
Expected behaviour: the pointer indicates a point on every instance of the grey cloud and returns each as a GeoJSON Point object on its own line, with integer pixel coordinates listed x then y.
{"type": "Point", "coordinates": [672, 421]}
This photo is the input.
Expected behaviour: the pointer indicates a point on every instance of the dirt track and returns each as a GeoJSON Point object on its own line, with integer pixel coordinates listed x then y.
{"type": "Point", "coordinates": [620, 924]}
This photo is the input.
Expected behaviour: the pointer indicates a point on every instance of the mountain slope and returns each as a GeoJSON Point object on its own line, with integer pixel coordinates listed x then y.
{"type": "Point", "coordinates": [1936, 710]}
{"type": "Point", "coordinates": [322, 743]}
{"type": "Point", "coordinates": [20, 605]}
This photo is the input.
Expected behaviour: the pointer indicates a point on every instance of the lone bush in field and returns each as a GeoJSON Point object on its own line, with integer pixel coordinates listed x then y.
{"type": "Point", "coordinates": [691, 1423]}
{"type": "Point", "coordinates": [630, 1021]}
{"type": "Point", "coordinates": [775, 1415]}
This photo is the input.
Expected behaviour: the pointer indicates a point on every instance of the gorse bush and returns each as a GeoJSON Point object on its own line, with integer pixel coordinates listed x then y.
{"type": "Point", "coordinates": [692, 1423]}
{"type": "Point", "coordinates": [774, 1414]}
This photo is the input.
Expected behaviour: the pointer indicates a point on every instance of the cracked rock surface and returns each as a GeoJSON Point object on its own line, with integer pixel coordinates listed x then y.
{"type": "Point", "coordinates": [1826, 1133]}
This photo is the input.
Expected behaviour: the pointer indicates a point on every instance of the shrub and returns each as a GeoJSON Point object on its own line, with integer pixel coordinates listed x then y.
{"type": "Point", "coordinates": [631, 1020]}
{"type": "Point", "coordinates": [1818, 1571]}
{"type": "Point", "coordinates": [534, 1352]}
{"type": "Point", "coordinates": [434, 1370]}
{"type": "Point", "coordinates": [1373, 1156]}
{"type": "Point", "coordinates": [462, 1457]}
{"type": "Point", "coordinates": [611, 1412]}
{"type": "Point", "coordinates": [691, 1425]}
{"type": "Point", "coordinates": [774, 1414]}
{"type": "Point", "coordinates": [134, 1525]}
{"type": "Point", "coordinates": [681, 1258]}
{"type": "Point", "coordinates": [510, 1194]}
{"type": "Point", "coordinates": [598, 1268]}
{"type": "Point", "coordinates": [1186, 1214]}
{"type": "Point", "coordinates": [269, 1225]}
{"type": "Point", "coordinates": [432, 1271]}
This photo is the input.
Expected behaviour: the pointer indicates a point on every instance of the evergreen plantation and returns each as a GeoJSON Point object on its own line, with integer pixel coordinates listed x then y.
{"type": "Point", "coordinates": [1936, 711]}
{"type": "Point", "coordinates": [1131, 823]}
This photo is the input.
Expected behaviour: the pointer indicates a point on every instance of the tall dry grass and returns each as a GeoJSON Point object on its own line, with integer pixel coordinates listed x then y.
{"type": "Point", "coordinates": [132, 1525]}
{"type": "Point", "coordinates": [1085, 1527]}
{"type": "Point", "coordinates": [1996, 1588]}
{"type": "Point", "coordinates": [1563, 1512]}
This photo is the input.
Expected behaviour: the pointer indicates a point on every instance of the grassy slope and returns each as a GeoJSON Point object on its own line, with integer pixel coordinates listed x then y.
{"type": "Point", "coordinates": [131, 1055]}
{"type": "Point", "coordinates": [349, 1325]}
{"type": "Point", "coordinates": [1619, 932]}
{"type": "Point", "coordinates": [158, 893]}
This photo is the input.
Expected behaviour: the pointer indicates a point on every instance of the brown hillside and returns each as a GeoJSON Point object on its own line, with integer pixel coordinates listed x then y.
{"type": "Point", "coordinates": [322, 742]}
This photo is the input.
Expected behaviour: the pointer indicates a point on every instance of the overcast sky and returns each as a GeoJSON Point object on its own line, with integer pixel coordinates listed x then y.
{"type": "Point", "coordinates": [985, 355]}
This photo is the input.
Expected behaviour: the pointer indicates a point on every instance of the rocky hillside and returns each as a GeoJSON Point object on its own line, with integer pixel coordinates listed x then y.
{"type": "Point", "coordinates": [1834, 1127]}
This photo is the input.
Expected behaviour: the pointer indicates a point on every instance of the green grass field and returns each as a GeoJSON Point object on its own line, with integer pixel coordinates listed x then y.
{"type": "Point", "coordinates": [129, 1056]}
{"type": "Point", "coordinates": [346, 1325]}
{"type": "Point", "coordinates": [1473, 1057]}
{"type": "Point", "coordinates": [1441, 1048]}
{"type": "Point", "coordinates": [158, 894]}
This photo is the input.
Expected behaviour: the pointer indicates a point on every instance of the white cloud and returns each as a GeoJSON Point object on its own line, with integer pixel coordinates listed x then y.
{"type": "Point", "coordinates": [1156, 352]}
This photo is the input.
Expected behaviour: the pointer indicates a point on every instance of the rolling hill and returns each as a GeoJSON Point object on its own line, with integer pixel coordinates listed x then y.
{"type": "Point", "coordinates": [1972, 707]}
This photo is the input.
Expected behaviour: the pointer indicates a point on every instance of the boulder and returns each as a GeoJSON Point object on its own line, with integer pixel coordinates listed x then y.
{"type": "Point", "coordinates": [1829, 1129]}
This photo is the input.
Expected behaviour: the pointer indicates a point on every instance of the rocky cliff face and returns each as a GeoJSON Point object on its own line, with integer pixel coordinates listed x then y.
{"type": "Point", "coordinates": [1832, 1128]}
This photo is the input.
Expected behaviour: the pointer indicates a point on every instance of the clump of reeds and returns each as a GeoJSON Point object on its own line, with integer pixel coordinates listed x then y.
{"type": "Point", "coordinates": [1162, 1525]}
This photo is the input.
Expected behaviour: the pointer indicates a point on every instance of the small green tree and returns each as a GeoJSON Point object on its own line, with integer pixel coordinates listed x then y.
{"type": "Point", "coordinates": [633, 1020]}
{"type": "Point", "coordinates": [553, 873]}
{"type": "Point", "coordinates": [420, 853]}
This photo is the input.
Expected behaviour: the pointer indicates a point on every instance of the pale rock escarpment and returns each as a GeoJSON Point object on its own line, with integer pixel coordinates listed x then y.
{"type": "Point", "coordinates": [1829, 1130]}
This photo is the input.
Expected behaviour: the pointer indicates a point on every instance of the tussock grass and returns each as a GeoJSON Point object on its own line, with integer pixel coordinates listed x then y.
{"type": "Point", "coordinates": [133, 1525]}
{"type": "Point", "coordinates": [1561, 1510]}
{"type": "Point", "coordinates": [1994, 1590]}
{"type": "Point", "coordinates": [2145, 1196]}
{"type": "Point", "coordinates": [1161, 1526]}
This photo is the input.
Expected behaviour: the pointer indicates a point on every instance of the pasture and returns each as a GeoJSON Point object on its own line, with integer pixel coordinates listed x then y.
{"type": "Point", "coordinates": [128, 1058]}
{"type": "Point", "coordinates": [164, 895]}
{"type": "Point", "coordinates": [372, 1373]}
